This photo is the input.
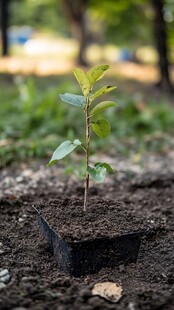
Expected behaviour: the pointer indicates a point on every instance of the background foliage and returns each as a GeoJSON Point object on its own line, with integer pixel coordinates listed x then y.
{"type": "Point", "coordinates": [142, 121]}
{"type": "Point", "coordinates": [123, 22]}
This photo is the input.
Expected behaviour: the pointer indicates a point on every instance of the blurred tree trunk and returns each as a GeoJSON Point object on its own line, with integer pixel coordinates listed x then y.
{"type": "Point", "coordinates": [161, 44]}
{"type": "Point", "coordinates": [75, 12]}
{"type": "Point", "coordinates": [4, 26]}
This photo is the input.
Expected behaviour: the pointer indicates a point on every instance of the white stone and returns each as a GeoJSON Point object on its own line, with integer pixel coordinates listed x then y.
{"type": "Point", "coordinates": [4, 272]}
{"type": "Point", "coordinates": [5, 279]}
{"type": "Point", "coordinates": [19, 179]}
{"type": "Point", "coordinates": [20, 220]}
{"type": "Point", "coordinates": [2, 285]}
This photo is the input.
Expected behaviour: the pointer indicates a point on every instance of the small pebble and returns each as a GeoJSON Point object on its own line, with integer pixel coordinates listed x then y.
{"type": "Point", "coordinates": [20, 219]}
{"type": "Point", "coordinates": [19, 308]}
{"type": "Point", "coordinates": [19, 179]}
{"type": "Point", "coordinates": [4, 272]}
{"type": "Point", "coordinates": [4, 276]}
{"type": "Point", "coordinates": [5, 279]}
{"type": "Point", "coordinates": [122, 268]}
{"type": "Point", "coordinates": [27, 172]}
{"type": "Point", "coordinates": [2, 285]}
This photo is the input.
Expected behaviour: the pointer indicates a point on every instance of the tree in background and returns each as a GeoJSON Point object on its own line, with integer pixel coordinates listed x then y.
{"type": "Point", "coordinates": [4, 25]}
{"type": "Point", "coordinates": [140, 22]}
{"type": "Point", "coordinates": [75, 13]}
{"type": "Point", "coordinates": [160, 35]}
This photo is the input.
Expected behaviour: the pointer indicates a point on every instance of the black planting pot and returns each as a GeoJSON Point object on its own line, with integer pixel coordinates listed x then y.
{"type": "Point", "coordinates": [78, 258]}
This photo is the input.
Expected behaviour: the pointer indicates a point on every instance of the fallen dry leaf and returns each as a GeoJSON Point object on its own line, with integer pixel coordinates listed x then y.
{"type": "Point", "coordinates": [108, 290]}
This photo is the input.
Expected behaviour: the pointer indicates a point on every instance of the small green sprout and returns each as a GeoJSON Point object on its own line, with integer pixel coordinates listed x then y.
{"type": "Point", "coordinates": [99, 126]}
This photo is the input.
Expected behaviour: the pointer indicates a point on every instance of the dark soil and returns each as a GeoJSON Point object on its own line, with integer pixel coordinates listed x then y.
{"type": "Point", "coordinates": [36, 283]}
{"type": "Point", "coordinates": [103, 218]}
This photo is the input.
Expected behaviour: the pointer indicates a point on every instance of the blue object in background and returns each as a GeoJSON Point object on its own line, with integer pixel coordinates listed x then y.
{"type": "Point", "coordinates": [19, 35]}
{"type": "Point", "coordinates": [125, 55]}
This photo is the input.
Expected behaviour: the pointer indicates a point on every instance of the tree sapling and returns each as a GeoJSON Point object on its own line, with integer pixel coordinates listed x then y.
{"type": "Point", "coordinates": [99, 126]}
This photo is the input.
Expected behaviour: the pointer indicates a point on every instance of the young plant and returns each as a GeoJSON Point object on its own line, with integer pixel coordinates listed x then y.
{"type": "Point", "coordinates": [99, 126]}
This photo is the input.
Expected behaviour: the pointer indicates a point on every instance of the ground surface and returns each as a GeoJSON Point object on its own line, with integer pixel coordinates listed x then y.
{"type": "Point", "coordinates": [35, 281]}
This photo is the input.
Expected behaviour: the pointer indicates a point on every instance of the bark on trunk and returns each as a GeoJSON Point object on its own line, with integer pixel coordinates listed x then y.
{"type": "Point", "coordinates": [4, 26]}
{"type": "Point", "coordinates": [161, 45]}
{"type": "Point", "coordinates": [75, 12]}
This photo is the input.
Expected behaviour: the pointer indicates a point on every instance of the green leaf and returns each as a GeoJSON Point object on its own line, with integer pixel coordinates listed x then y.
{"type": "Point", "coordinates": [101, 128]}
{"type": "Point", "coordinates": [96, 73]}
{"type": "Point", "coordinates": [105, 165]}
{"type": "Point", "coordinates": [101, 91]}
{"type": "Point", "coordinates": [99, 171]}
{"type": "Point", "coordinates": [63, 149]}
{"type": "Point", "coordinates": [76, 100]}
{"type": "Point", "coordinates": [82, 80]}
{"type": "Point", "coordinates": [102, 106]}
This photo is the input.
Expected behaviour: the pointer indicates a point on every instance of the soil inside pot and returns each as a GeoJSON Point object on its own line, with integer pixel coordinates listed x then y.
{"type": "Point", "coordinates": [103, 218]}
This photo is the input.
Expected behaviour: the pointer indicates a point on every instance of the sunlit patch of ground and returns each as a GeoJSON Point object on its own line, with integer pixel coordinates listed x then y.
{"type": "Point", "coordinates": [47, 66]}
{"type": "Point", "coordinates": [40, 67]}
{"type": "Point", "coordinates": [142, 73]}
{"type": "Point", "coordinates": [50, 56]}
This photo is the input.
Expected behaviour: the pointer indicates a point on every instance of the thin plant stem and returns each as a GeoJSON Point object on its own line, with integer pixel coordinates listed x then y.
{"type": "Point", "coordinates": [87, 155]}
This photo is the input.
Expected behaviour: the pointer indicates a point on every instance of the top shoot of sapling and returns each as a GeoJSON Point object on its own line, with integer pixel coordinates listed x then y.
{"type": "Point", "coordinates": [99, 126]}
